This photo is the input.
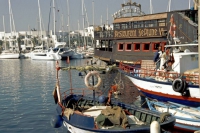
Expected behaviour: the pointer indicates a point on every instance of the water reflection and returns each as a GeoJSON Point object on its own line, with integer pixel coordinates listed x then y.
{"type": "Point", "coordinates": [26, 94]}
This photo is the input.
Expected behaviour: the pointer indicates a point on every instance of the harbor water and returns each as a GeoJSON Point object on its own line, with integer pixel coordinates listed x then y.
{"type": "Point", "coordinates": [26, 100]}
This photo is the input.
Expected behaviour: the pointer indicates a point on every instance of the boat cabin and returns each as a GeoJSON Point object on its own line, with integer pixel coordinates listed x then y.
{"type": "Point", "coordinates": [184, 59]}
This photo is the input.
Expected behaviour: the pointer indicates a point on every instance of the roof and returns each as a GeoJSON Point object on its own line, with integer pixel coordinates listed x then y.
{"type": "Point", "coordinates": [141, 18]}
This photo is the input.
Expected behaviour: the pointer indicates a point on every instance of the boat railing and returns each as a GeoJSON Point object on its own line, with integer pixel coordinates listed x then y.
{"type": "Point", "coordinates": [77, 91]}
{"type": "Point", "coordinates": [159, 75]}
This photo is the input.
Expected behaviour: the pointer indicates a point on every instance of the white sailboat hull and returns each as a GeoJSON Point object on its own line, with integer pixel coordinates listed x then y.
{"type": "Point", "coordinates": [9, 56]}
{"type": "Point", "coordinates": [46, 57]}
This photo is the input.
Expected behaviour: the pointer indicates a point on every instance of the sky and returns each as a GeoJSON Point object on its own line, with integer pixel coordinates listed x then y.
{"type": "Point", "coordinates": [25, 12]}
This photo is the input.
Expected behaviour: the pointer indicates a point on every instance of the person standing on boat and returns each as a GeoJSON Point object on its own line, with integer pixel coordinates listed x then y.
{"type": "Point", "coordinates": [157, 56]}
{"type": "Point", "coordinates": [164, 57]}
{"type": "Point", "coordinates": [167, 66]}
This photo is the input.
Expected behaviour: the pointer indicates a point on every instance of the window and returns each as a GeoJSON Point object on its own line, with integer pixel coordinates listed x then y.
{"type": "Point", "coordinates": [146, 46]}
{"type": "Point", "coordinates": [136, 47]}
{"type": "Point", "coordinates": [155, 46]}
{"type": "Point", "coordinates": [120, 47]}
{"type": "Point", "coordinates": [146, 23]}
{"type": "Point", "coordinates": [129, 25]}
{"type": "Point", "coordinates": [123, 26]}
{"type": "Point", "coordinates": [162, 22]}
{"type": "Point", "coordinates": [116, 26]}
{"type": "Point", "coordinates": [140, 24]}
{"type": "Point", "coordinates": [135, 25]}
{"type": "Point", "coordinates": [128, 47]}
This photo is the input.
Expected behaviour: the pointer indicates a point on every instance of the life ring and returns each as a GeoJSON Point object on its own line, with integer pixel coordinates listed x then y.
{"type": "Point", "coordinates": [179, 85]}
{"type": "Point", "coordinates": [89, 86]}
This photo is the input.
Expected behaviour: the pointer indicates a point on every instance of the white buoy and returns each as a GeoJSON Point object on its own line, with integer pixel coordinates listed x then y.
{"type": "Point", "coordinates": [155, 127]}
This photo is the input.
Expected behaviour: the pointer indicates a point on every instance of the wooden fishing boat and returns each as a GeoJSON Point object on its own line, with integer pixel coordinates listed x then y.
{"type": "Point", "coordinates": [187, 118]}
{"type": "Point", "coordinates": [83, 112]}
{"type": "Point", "coordinates": [179, 85]}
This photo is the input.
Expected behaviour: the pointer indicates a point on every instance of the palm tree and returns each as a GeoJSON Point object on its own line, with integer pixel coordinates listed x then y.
{"type": "Point", "coordinates": [34, 41]}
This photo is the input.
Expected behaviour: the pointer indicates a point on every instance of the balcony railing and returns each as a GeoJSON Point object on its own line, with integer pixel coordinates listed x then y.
{"type": "Point", "coordinates": [104, 34]}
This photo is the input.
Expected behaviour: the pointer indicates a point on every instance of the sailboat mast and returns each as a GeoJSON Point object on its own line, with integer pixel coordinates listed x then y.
{"type": "Point", "coordinates": [4, 38]}
{"type": "Point", "coordinates": [40, 18]}
{"type": "Point", "coordinates": [93, 11]}
{"type": "Point", "coordinates": [62, 29]}
{"type": "Point", "coordinates": [107, 16]}
{"type": "Point", "coordinates": [13, 22]}
{"type": "Point", "coordinates": [189, 5]}
{"type": "Point", "coordinates": [78, 34]}
{"type": "Point", "coordinates": [4, 29]}
{"type": "Point", "coordinates": [101, 20]}
{"type": "Point", "coordinates": [10, 17]}
{"type": "Point", "coordinates": [169, 5]}
{"type": "Point", "coordinates": [83, 24]}
{"type": "Point", "coordinates": [93, 22]}
{"type": "Point", "coordinates": [54, 18]}
{"type": "Point", "coordinates": [151, 10]}
{"type": "Point", "coordinates": [68, 22]}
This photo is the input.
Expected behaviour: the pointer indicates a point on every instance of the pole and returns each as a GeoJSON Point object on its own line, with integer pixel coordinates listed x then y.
{"type": "Point", "coordinates": [93, 84]}
{"type": "Point", "coordinates": [198, 4]}
{"type": "Point", "coordinates": [93, 24]}
{"type": "Point", "coordinates": [68, 22]}
{"type": "Point", "coordinates": [84, 43]}
{"type": "Point", "coordinates": [54, 18]}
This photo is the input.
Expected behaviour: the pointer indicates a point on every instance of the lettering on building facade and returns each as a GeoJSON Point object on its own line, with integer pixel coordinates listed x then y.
{"type": "Point", "coordinates": [139, 33]}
